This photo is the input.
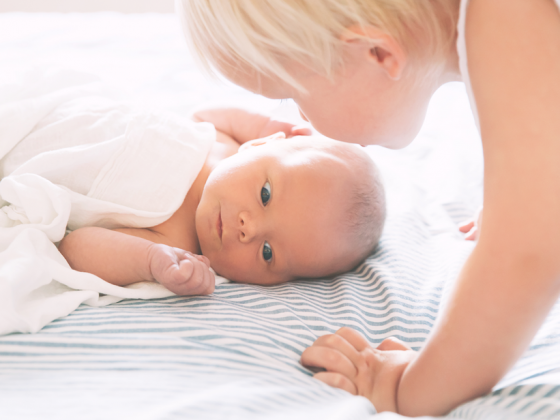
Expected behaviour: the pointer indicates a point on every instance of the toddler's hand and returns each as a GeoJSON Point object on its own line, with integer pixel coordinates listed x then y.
{"type": "Point", "coordinates": [471, 228]}
{"type": "Point", "coordinates": [290, 130]}
{"type": "Point", "coordinates": [353, 365]}
{"type": "Point", "coordinates": [180, 271]}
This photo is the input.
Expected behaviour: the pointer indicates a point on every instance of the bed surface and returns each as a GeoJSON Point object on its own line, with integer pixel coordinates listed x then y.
{"type": "Point", "coordinates": [235, 354]}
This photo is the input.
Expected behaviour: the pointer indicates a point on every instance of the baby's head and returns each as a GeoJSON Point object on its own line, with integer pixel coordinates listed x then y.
{"type": "Point", "coordinates": [284, 209]}
{"type": "Point", "coordinates": [361, 71]}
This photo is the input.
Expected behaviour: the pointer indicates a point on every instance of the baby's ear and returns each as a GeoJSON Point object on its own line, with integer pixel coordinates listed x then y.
{"type": "Point", "coordinates": [259, 142]}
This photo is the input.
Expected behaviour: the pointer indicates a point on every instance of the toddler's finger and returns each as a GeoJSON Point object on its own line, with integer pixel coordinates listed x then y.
{"type": "Point", "coordinates": [299, 130]}
{"type": "Point", "coordinates": [472, 235]}
{"type": "Point", "coordinates": [336, 380]}
{"type": "Point", "coordinates": [466, 226]}
{"type": "Point", "coordinates": [393, 343]}
{"type": "Point", "coordinates": [279, 135]}
{"type": "Point", "coordinates": [337, 342]}
{"type": "Point", "coordinates": [353, 337]}
{"type": "Point", "coordinates": [330, 359]}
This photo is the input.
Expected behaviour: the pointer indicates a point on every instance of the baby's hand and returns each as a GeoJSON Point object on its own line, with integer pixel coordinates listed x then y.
{"type": "Point", "coordinates": [180, 271]}
{"type": "Point", "coordinates": [471, 228]}
{"type": "Point", "coordinates": [353, 365]}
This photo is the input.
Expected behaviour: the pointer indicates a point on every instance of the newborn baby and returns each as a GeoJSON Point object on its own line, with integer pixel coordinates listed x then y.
{"type": "Point", "coordinates": [262, 211]}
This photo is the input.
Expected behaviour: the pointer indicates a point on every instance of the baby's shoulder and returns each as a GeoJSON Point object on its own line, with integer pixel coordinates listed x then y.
{"type": "Point", "coordinates": [224, 147]}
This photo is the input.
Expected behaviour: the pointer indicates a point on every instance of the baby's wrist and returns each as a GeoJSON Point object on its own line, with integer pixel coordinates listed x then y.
{"type": "Point", "coordinates": [150, 268]}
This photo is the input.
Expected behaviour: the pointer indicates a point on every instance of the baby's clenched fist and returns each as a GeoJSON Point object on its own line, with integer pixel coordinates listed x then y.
{"type": "Point", "coordinates": [180, 271]}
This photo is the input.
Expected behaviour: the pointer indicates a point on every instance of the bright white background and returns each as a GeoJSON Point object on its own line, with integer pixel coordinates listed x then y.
{"type": "Point", "coordinates": [125, 6]}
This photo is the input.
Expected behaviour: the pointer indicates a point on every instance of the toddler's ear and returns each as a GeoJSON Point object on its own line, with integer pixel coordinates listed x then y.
{"type": "Point", "coordinates": [377, 47]}
{"type": "Point", "coordinates": [259, 142]}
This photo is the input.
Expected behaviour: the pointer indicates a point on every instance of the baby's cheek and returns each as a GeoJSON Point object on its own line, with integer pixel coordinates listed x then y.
{"type": "Point", "coordinates": [240, 266]}
{"type": "Point", "coordinates": [226, 265]}
{"type": "Point", "coordinates": [240, 271]}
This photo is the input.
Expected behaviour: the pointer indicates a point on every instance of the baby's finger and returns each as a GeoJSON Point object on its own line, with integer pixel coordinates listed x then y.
{"type": "Point", "coordinates": [197, 278]}
{"type": "Point", "coordinates": [330, 359]}
{"type": "Point", "coordinates": [466, 226]}
{"type": "Point", "coordinates": [177, 277]}
{"type": "Point", "coordinates": [210, 282]}
{"type": "Point", "coordinates": [354, 338]}
{"type": "Point", "coordinates": [185, 271]}
{"type": "Point", "coordinates": [203, 259]}
{"type": "Point", "coordinates": [181, 253]}
{"type": "Point", "coordinates": [202, 279]}
{"type": "Point", "coordinates": [337, 380]}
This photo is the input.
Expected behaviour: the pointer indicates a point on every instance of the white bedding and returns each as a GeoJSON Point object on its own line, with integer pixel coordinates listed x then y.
{"type": "Point", "coordinates": [72, 156]}
{"type": "Point", "coordinates": [235, 354]}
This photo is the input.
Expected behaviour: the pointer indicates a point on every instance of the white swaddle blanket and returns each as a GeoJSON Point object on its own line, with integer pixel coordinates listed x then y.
{"type": "Point", "coordinates": [73, 156]}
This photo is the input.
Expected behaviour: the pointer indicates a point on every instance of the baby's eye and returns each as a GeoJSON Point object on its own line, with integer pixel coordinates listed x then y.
{"type": "Point", "coordinates": [267, 252]}
{"type": "Point", "coordinates": [265, 193]}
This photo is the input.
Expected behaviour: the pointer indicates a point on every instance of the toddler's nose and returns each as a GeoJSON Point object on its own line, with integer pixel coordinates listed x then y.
{"type": "Point", "coordinates": [247, 230]}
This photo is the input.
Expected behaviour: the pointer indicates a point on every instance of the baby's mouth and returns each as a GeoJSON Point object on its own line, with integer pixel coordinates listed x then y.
{"type": "Point", "coordinates": [219, 225]}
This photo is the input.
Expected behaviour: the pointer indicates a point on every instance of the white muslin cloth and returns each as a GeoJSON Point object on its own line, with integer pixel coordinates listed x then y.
{"type": "Point", "coordinates": [72, 155]}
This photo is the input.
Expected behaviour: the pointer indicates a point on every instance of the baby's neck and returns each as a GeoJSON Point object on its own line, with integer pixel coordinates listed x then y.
{"type": "Point", "coordinates": [192, 200]}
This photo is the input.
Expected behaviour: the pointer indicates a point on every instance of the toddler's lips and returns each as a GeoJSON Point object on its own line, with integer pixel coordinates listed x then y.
{"type": "Point", "coordinates": [219, 225]}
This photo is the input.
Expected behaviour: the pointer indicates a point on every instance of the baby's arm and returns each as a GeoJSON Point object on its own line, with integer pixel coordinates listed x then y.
{"type": "Point", "coordinates": [138, 255]}
{"type": "Point", "coordinates": [244, 126]}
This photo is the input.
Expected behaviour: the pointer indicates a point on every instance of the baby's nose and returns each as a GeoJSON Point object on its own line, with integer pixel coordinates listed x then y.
{"type": "Point", "coordinates": [247, 227]}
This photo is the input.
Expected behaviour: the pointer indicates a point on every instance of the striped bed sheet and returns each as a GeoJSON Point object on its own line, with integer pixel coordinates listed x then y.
{"type": "Point", "coordinates": [235, 354]}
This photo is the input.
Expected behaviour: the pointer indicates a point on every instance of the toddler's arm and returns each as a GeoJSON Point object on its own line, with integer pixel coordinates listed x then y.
{"type": "Point", "coordinates": [244, 126]}
{"type": "Point", "coordinates": [512, 279]}
{"type": "Point", "coordinates": [123, 259]}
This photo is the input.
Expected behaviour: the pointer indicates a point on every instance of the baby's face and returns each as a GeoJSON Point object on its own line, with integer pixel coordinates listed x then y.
{"type": "Point", "coordinates": [270, 213]}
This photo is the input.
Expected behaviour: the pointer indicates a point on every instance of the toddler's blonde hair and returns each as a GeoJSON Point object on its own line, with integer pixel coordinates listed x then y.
{"type": "Point", "coordinates": [263, 34]}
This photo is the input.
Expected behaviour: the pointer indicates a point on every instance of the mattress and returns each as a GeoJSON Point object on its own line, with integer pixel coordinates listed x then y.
{"type": "Point", "coordinates": [235, 354]}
